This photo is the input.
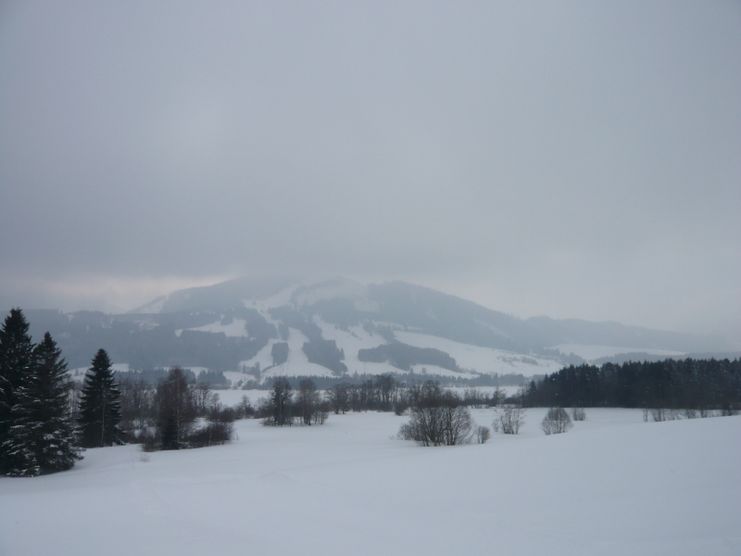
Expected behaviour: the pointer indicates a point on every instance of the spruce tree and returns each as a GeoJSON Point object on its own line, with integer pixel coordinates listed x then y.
{"type": "Point", "coordinates": [100, 406]}
{"type": "Point", "coordinates": [176, 410]}
{"type": "Point", "coordinates": [41, 438]}
{"type": "Point", "coordinates": [16, 351]}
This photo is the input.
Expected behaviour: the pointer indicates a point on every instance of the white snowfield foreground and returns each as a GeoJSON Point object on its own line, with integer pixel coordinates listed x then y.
{"type": "Point", "coordinates": [614, 485]}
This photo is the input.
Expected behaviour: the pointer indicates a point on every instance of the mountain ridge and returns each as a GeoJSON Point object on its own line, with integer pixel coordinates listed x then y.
{"type": "Point", "coordinates": [265, 327]}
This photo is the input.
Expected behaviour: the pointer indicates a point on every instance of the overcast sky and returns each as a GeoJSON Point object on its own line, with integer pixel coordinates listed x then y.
{"type": "Point", "coordinates": [574, 159]}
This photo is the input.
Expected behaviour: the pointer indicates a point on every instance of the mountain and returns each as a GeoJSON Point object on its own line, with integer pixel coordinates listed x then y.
{"type": "Point", "coordinates": [254, 329]}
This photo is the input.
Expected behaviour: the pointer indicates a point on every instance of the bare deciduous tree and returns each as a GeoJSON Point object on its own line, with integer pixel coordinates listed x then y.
{"type": "Point", "coordinates": [176, 411]}
{"type": "Point", "coordinates": [307, 400]}
{"type": "Point", "coordinates": [279, 406]}
{"type": "Point", "coordinates": [339, 398]}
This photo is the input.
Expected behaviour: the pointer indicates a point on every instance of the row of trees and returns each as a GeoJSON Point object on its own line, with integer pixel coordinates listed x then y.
{"type": "Point", "coordinates": [700, 384]}
{"type": "Point", "coordinates": [37, 430]}
{"type": "Point", "coordinates": [43, 427]}
{"type": "Point", "coordinates": [385, 393]}
{"type": "Point", "coordinates": [284, 407]}
{"type": "Point", "coordinates": [46, 421]}
{"type": "Point", "coordinates": [37, 434]}
{"type": "Point", "coordinates": [167, 419]}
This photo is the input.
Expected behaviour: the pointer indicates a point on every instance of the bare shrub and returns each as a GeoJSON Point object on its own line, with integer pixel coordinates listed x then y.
{"type": "Point", "coordinates": [212, 434]}
{"type": "Point", "coordinates": [482, 434]}
{"type": "Point", "coordinates": [556, 421]}
{"type": "Point", "coordinates": [320, 415]}
{"type": "Point", "coordinates": [578, 414]}
{"type": "Point", "coordinates": [509, 419]}
{"type": "Point", "coordinates": [658, 414]}
{"type": "Point", "coordinates": [437, 419]}
{"type": "Point", "coordinates": [245, 408]}
{"type": "Point", "coordinates": [149, 441]}
{"type": "Point", "coordinates": [401, 406]}
{"type": "Point", "coordinates": [438, 426]}
{"type": "Point", "coordinates": [221, 414]}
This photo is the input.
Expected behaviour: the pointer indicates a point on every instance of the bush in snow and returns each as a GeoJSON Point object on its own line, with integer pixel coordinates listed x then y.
{"type": "Point", "coordinates": [578, 414]}
{"type": "Point", "coordinates": [508, 419]}
{"type": "Point", "coordinates": [482, 434]}
{"type": "Point", "coordinates": [436, 419]}
{"type": "Point", "coordinates": [278, 410]}
{"type": "Point", "coordinates": [556, 421]}
{"type": "Point", "coordinates": [212, 434]}
{"type": "Point", "coordinates": [659, 414]}
{"type": "Point", "coordinates": [438, 426]}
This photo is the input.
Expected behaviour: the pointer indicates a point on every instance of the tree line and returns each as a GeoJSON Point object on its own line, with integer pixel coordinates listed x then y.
{"type": "Point", "coordinates": [701, 384]}
{"type": "Point", "coordinates": [284, 407]}
{"type": "Point", "coordinates": [46, 421]}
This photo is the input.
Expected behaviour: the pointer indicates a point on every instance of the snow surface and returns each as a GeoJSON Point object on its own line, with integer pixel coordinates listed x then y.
{"type": "Point", "coordinates": [264, 357]}
{"type": "Point", "coordinates": [78, 373]}
{"type": "Point", "coordinates": [613, 486]}
{"type": "Point", "coordinates": [278, 299]}
{"type": "Point", "coordinates": [482, 359]}
{"type": "Point", "coordinates": [237, 328]}
{"type": "Point", "coordinates": [592, 352]}
{"type": "Point", "coordinates": [234, 397]}
{"type": "Point", "coordinates": [297, 364]}
{"type": "Point", "coordinates": [154, 306]}
{"type": "Point", "coordinates": [352, 339]}
{"type": "Point", "coordinates": [341, 288]}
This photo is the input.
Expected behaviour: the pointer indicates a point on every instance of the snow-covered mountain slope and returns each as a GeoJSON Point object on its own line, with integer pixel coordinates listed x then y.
{"type": "Point", "coordinates": [596, 352]}
{"type": "Point", "coordinates": [334, 328]}
{"type": "Point", "coordinates": [483, 360]}
{"type": "Point", "coordinates": [237, 328]}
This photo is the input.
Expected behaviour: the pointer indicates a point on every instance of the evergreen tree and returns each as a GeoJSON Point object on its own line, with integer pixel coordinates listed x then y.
{"type": "Point", "coordinates": [16, 351]}
{"type": "Point", "coordinates": [41, 438]}
{"type": "Point", "coordinates": [176, 410]}
{"type": "Point", "coordinates": [100, 406]}
{"type": "Point", "coordinates": [280, 403]}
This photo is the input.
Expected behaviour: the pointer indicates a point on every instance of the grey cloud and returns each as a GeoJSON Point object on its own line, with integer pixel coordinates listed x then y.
{"type": "Point", "coordinates": [579, 159]}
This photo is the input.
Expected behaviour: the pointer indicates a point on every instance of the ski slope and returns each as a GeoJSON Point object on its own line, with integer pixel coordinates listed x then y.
{"type": "Point", "coordinates": [297, 364]}
{"type": "Point", "coordinates": [237, 328]}
{"type": "Point", "coordinates": [613, 486]}
{"type": "Point", "coordinates": [482, 359]}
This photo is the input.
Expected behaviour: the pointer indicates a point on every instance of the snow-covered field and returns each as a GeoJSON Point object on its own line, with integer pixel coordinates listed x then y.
{"type": "Point", "coordinates": [614, 485]}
